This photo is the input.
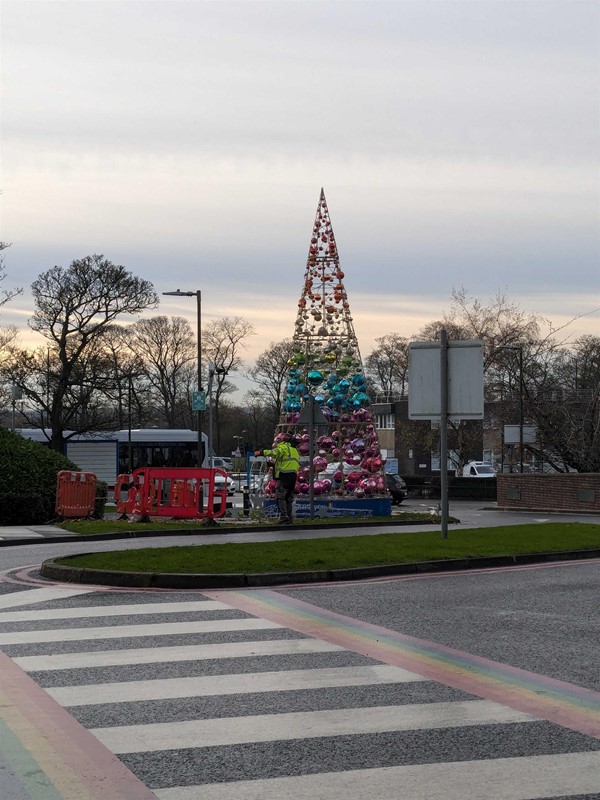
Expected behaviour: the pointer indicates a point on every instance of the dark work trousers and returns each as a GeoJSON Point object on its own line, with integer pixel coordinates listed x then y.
{"type": "Point", "coordinates": [285, 494]}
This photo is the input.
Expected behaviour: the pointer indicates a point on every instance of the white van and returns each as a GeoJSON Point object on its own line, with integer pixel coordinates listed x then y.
{"type": "Point", "coordinates": [478, 469]}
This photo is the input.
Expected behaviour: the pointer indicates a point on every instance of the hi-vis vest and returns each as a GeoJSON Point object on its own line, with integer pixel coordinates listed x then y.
{"type": "Point", "coordinates": [287, 458]}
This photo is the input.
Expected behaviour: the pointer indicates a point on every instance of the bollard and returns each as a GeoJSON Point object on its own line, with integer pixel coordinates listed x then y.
{"type": "Point", "coordinates": [246, 499]}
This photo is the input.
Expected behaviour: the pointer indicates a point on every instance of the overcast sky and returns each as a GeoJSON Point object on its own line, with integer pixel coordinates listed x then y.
{"type": "Point", "coordinates": [458, 144]}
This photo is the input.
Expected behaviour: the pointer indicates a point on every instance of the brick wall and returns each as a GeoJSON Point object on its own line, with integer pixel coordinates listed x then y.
{"type": "Point", "coordinates": [557, 492]}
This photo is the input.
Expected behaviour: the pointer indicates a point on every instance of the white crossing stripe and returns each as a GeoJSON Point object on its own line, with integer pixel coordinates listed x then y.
{"type": "Point", "coordinates": [239, 683]}
{"type": "Point", "coordinates": [128, 631]}
{"type": "Point", "coordinates": [31, 596]}
{"type": "Point", "coordinates": [159, 655]}
{"type": "Point", "coordinates": [495, 779]}
{"type": "Point", "coordinates": [304, 724]}
{"type": "Point", "coordinates": [113, 611]}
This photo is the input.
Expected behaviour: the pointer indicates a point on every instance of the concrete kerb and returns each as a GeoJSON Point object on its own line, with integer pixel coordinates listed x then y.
{"type": "Point", "coordinates": [161, 580]}
{"type": "Point", "coordinates": [209, 531]}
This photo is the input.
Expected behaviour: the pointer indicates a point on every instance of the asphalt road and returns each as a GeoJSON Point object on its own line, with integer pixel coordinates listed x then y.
{"type": "Point", "coordinates": [483, 684]}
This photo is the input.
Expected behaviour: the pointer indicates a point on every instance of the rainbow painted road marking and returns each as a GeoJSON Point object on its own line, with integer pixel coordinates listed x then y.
{"type": "Point", "coordinates": [565, 704]}
{"type": "Point", "coordinates": [48, 755]}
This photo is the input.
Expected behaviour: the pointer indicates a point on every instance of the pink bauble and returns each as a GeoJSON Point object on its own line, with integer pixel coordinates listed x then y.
{"type": "Point", "coordinates": [336, 452]}
{"type": "Point", "coordinates": [380, 485]}
{"type": "Point", "coordinates": [369, 485]}
{"type": "Point", "coordinates": [304, 448]}
{"type": "Point", "coordinates": [305, 437]}
{"type": "Point", "coordinates": [338, 476]}
{"type": "Point", "coordinates": [319, 463]}
{"type": "Point", "coordinates": [376, 464]}
{"type": "Point", "coordinates": [326, 485]}
{"type": "Point", "coordinates": [318, 487]}
{"type": "Point", "coordinates": [359, 491]}
{"type": "Point", "coordinates": [304, 488]}
{"type": "Point", "coordinates": [271, 486]}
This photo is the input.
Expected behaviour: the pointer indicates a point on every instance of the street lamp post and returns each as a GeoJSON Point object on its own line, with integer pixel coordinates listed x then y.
{"type": "Point", "coordinates": [212, 371]}
{"type": "Point", "coordinates": [198, 295]}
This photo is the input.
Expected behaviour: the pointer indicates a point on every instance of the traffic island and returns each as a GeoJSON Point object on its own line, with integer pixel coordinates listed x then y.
{"type": "Point", "coordinates": [63, 572]}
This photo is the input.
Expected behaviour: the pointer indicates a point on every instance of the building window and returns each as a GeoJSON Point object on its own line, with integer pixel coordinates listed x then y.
{"type": "Point", "coordinates": [384, 422]}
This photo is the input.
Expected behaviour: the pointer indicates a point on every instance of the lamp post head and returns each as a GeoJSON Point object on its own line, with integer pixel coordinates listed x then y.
{"type": "Point", "coordinates": [179, 293]}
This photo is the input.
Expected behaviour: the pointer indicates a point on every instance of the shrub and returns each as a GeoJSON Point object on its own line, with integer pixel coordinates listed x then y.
{"type": "Point", "coordinates": [27, 471]}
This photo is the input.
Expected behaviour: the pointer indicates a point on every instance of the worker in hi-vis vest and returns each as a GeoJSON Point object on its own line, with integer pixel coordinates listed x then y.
{"type": "Point", "coordinates": [287, 464]}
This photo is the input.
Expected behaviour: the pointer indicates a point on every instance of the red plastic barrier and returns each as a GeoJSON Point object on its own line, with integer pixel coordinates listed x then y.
{"type": "Point", "coordinates": [124, 496]}
{"type": "Point", "coordinates": [75, 494]}
{"type": "Point", "coordinates": [188, 493]}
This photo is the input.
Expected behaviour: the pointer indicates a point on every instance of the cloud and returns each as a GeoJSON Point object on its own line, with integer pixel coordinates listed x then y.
{"type": "Point", "coordinates": [458, 144]}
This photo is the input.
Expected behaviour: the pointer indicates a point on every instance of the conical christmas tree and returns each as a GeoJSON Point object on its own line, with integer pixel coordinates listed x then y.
{"type": "Point", "coordinates": [326, 370]}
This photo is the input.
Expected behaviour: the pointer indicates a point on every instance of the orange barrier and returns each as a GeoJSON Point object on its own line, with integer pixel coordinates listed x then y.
{"type": "Point", "coordinates": [124, 497]}
{"type": "Point", "coordinates": [75, 494]}
{"type": "Point", "coordinates": [183, 492]}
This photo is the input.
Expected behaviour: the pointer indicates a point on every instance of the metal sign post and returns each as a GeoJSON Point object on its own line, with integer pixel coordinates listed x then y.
{"type": "Point", "coordinates": [445, 382]}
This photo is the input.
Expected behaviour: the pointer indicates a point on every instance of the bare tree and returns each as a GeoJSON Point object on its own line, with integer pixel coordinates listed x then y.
{"type": "Point", "coordinates": [8, 333]}
{"type": "Point", "coordinates": [270, 374]}
{"type": "Point", "coordinates": [563, 401]}
{"type": "Point", "coordinates": [167, 354]}
{"type": "Point", "coordinates": [387, 365]}
{"type": "Point", "coordinates": [222, 341]}
{"type": "Point", "coordinates": [127, 391]}
{"type": "Point", "coordinates": [499, 324]}
{"type": "Point", "coordinates": [258, 418]}
{"type": "Point", "coordinates": [527, 368]}
{"type": "Point", "coordinates": [6, 295]}
{"type": "Point", "coordinates": [74, 307]}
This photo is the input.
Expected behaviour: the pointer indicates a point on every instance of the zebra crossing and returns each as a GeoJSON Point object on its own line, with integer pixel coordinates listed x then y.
{"type": "Point", "coordinates": [199, 699]}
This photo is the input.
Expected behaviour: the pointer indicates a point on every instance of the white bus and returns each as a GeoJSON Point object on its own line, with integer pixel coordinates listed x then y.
{"type": "Point", "coordinates": [108, 454]}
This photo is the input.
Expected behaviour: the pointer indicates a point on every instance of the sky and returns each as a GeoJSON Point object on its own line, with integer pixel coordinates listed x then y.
{"type": "Point", "coordinates": [458, 144]}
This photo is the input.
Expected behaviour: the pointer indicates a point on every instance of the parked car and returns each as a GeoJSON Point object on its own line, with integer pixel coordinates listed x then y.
{"type": "Point", "coordinates": [230, 483]}
{"type": "Point", "coordinates": [219, 462]}
{"type": "Point", "coordinates": [478, 469]}
{"type": "Point", "coordinates": [396, 487]}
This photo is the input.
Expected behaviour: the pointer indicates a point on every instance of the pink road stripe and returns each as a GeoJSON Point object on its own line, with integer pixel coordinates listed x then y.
{"type": "Point", "coordinates": [565, 704]}
{"type": "Point", "coordinates": [76, 763]}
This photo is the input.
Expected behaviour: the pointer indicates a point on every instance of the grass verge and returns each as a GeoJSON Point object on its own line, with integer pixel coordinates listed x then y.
{"type": "Point", "coordinates": [91, 527]}
{"type": "Point", "coordinates": [292, 555]}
